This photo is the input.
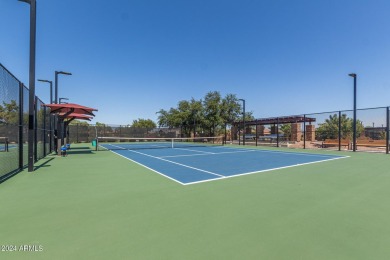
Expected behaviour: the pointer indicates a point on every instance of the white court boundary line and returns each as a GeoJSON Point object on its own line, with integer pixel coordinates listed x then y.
{"type": "Point", "coordinates": [162, 159]}
{"type": "Point", "coordinates": [223, 176]}
{"type": "Point", "coordinates": [153, 170]}
{"type": "Point", "coordinates": [267, 170]}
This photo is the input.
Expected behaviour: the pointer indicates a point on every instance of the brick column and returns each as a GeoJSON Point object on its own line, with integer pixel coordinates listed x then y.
{"type": "Point", "coordinates": [296, 132]}
{"type": "Point", "coordinates": [260, 130]}
{"type": "Point", "coordinates": [310, 133]}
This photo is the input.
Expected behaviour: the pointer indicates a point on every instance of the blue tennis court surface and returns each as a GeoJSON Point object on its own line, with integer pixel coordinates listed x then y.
{"type": "Point", "coordinates": [3, 147]}
{"type": "Point", "coordinates": [200, 164]}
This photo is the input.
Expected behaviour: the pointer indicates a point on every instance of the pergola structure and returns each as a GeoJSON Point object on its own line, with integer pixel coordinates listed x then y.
{"type": "Point", "coordinates": [66, 113]}
{"type": "Point", "coordinates": [276, 121]}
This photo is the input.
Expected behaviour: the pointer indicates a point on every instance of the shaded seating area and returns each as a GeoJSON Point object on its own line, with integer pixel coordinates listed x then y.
{"type": "Point", "coordinates": [66, 113]}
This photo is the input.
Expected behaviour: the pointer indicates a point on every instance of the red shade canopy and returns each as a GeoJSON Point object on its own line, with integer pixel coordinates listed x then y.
{"type": "Point", "coordinates": [65, 109]}
{"type": "Point", "coordinates": [76, 116]}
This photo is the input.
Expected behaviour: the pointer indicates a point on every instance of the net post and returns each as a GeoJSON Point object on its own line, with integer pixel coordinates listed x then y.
{"type": "Point", "coordinates": [172, 143]}
{"type": "Point", "coordinates": [96, 143]}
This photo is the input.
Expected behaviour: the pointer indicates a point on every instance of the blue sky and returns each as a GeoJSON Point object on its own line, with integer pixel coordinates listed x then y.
{"type": "Point", "coordinates": [130, 58]}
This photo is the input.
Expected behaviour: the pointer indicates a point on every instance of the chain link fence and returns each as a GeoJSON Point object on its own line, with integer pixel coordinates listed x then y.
{"type": "Point", "coordinates": [327, 130]}
{"type": "Point", "coordinates": [14, 125]}
{"type": "Point", "coordinates": [84, 133]}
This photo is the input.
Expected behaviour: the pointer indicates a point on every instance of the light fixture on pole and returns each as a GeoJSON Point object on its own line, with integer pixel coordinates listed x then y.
{"type": "Point", "coordinates": [51, 88]}
{"type": "Point", "coordinates": [56, 83]}
{"type": "Point", "coordinates": [63, 99]}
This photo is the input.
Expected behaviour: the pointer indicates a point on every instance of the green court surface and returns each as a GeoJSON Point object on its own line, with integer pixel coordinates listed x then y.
{"type": "Point", "coordinates": [98, 205]}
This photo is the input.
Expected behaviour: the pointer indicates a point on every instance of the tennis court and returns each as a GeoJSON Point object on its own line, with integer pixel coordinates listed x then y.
{"type": "Point", "coordinates": [191, 162]}
{"type": "Point", "coordinates": [72, 205]}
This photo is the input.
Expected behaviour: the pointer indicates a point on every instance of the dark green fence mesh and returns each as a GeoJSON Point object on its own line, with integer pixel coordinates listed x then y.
{"type": "Point", "coordinates": [9, 122]}
{"type": "Point", "coordinates": [84, 133]}
{"type": "Point", "coordinates": [14, 125]}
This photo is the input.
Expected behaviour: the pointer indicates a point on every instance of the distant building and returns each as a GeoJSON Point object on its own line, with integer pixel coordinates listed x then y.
{"type": "Point", "coordinates": [375, 133]}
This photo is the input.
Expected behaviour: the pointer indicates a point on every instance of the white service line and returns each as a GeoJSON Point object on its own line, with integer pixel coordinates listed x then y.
{"type": "Point", "coordinates": [299, 153]}
{"type": "Point", "coordinates": [186, 155]}
{"type": "Point", "coordinates": [213, 173]}
{"type": "Point", "coordinates": [193, 150]}
{"type": "Point", "coordinates": [267, 170]}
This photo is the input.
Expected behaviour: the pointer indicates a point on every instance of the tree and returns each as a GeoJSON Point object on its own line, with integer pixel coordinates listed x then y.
{"type": "Point", "coordinates": [78, 122]}
{"type": "Point", "coordinates": [9, 112]}
{"type": "Point", "coordinates": [230, 109]}
{"type": "Point", "coordinates": [286, 129]}
{"type": "Point", "coordinates": [330, 128]}
{"type": "Point", "coordinates": [143, 123]}
{"type": "Point", "coordinates": [212, 111]}
{"type": "Point", "coordinates": [194, 116]}
{"type": "Point", "coordinates": [163, 118]}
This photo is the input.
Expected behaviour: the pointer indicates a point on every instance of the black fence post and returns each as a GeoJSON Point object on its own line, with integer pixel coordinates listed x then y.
{"type": "Point", "coordinates": [304, 131]}
{"type": "Point", "coordinates": [44, 131]}
{"type": "Point", "coordinates": [257, 133]}
{"type": "Point", "coordinates": [77, 133]}
{"type": "Point", "coordinates": [339, 130]}
{"type": "Point", "coordinates": [277, 132]}
{"type": "Point", "coordinates": [50, 130]}
{"type": "Point", "coordinates": [35, 129]}
{"type": "Point", "coordinates": [239, 138]}
{"type": "Point", "coordinates": [21, 88]}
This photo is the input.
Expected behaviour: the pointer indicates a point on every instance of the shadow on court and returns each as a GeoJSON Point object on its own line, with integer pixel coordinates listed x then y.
{"type": "Point", "coordinates": [44, 163]}
{"type": "Point", "coordinates": [80, 148]}
{"type": "Point", "coordinates": [72, 151]}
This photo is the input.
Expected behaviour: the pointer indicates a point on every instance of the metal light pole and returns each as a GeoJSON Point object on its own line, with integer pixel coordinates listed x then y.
{"type": "Point", "coordinates": [354, 76]}
{"type": "Point", "coordinates": [51, 88]}
{"type": "Point", "coordinates": [31, 110]}
{"type": "Point", "coordinates": [50, 116]}
{"type": "Point", "coordinates": [243, 120]}
{"type": "Point", "coordinates": [56, 147]}
{"type": "Point", "coordinates": [64, 131]}
{"type": "Point", "coordinates": [56, 83]}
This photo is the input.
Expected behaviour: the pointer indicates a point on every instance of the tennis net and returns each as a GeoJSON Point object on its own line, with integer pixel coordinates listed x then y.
{"type": "Point", "coordinates": [121, 143]}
